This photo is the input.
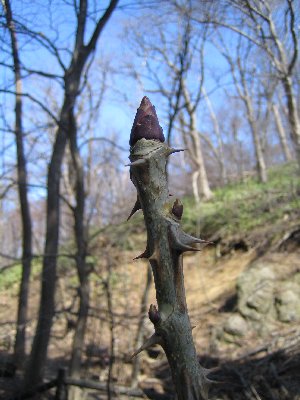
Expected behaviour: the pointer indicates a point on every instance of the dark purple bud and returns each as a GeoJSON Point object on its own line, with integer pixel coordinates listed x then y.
{"type": "Point", "coordinates": [177, 209]}
{"type": "Point", "coordinates": [154, 315]}
{"type": "Point", "coordinates": [146, 124]}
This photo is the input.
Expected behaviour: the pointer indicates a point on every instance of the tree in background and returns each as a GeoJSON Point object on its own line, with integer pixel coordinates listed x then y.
{"type": "Point", "coordinates": [20, 340]}
{"type": "Point", "coordinates": [242, 74]}
{"type": "Point", "coordinates": [175, 59]}
{"type": "Point", "coordinates": [174, 71]}
{"type": "Point", "coordinates": [271, 27]}
{"type": "Point", "coordinates": [66, 130]}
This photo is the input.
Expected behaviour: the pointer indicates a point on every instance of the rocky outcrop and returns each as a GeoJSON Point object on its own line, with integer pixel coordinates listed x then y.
{"type": "Point", "coordinates": [287, 300]}
{"type": "Point", "coordinates": [268, 294]}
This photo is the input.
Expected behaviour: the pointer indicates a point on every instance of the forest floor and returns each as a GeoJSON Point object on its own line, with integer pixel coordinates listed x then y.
{"type": "Point", "coordinates": [248, 222]}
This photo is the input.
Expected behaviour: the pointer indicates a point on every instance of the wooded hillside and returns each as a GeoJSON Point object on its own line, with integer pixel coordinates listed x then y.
{"type": "Point", "coordinates": [224, 78]}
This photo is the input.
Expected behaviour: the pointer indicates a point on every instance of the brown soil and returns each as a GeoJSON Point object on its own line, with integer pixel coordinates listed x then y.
{"type": "Point", "coordinates": [256, 368]}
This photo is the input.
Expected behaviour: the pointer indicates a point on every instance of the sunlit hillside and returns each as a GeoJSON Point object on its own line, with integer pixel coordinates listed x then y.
{"type": "Point", "coordinates": [247, 221]}
{"type": "Point", "coordinates": [142, 141]}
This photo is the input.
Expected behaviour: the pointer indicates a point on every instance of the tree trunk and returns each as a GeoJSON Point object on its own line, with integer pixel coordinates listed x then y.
{"type": "Point", "coordinates": [281, 133]}
{"type": "Point", "coordinates": [78, 340]}
{"type": "Point", "coordinates": [35, 368]}
{"type": "Point", "coordinates": [204, 189]}
{"type": "Point", "coordinates": [81, 52]}
{"type": "Point", "coordinates": [166, 243]}
{"type": "Point", "coordinates": [216, 125]}
{"type": "Point", "coordinates": [260, 160]}
{"type": "Point", "coordinates": [79, 334]}
{"type": "Point", "coordinates": [196, 152]}
{"type": "Point", "coordinates": [140, 330]}
{"type": "Point", "coordinates": [20, 340]}
{"type": "Point", "coordinates": [293, 116]}
{"type": "Point", "coordinates": [109, 298]}
{"type": "Point", "coordinates": [195, 186]}
{"type": "Point", "coordinates": [81, 244]}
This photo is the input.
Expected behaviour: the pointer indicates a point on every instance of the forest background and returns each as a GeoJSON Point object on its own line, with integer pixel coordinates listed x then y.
{"type": "Point", "coordinates": [224, 77]}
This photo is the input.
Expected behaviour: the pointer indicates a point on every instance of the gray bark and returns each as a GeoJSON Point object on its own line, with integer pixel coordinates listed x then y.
{"type": "Point", "coordinates": [81, 53]}
{"type": "Point", "coordinates": [281, 47]}
{"type": "Point", "coordinates": [293, 115]}
{"type": "Point", "coordinates": [80, 227]}
{"type": "Point", "coordinates": [80, 231]}
{"type": "Point", "coordinates": [166, 243]}
{"type": "Point", "coordinates": [275, 33]}
{"type": "Point", "coordinates": [109, 299]}
{"type": "Point", "coordinates": [217, 131]}
{"type": "Point", "coordinates": [246, 98]}
{"type": "Point", "coordinates": [20, 340]}
{"type": "Point", "coordinates": [285, 69]}
{"type": "Point", "coordinates": [281, 134]}
{"type": "Point", "coordinates": [35, 368]}
{"type": "Point", "coordinates": [260, 160]}
{"type": "Point", "coordinates": [201, 187]}
{"type": "Point", "coordinates": [238, 72]}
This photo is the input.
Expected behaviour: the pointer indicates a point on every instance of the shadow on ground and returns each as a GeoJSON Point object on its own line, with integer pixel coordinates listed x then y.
{"type": "Point", "coordinates": [274, 376]}
{"type": "Point", "coordinates": [259, 376]}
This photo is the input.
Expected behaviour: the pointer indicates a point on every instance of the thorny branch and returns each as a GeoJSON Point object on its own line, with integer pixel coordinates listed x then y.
{"type": "Point", "coordinates": [166, 243]}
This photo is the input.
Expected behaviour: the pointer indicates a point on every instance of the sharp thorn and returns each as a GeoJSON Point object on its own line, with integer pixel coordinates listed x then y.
{"type": "Point", "coordinates": [145, 254]}
{"type": "Point", "coordinates": [136, 207]}
{"type": "Point", "coordinates": [185, 247]}
{"type": "Point", "coordinates": [152, 341]}
{"type": "Point", "coordinates": [172, 151]}
{"type": "Point", "coordinates": [198, 240]}
{"type": "Point", "coordinates": [136, 163]}
{"type": "Point", "coordinates": [180, 241]}
{"type": "Point", "coordinates": [191, 239]}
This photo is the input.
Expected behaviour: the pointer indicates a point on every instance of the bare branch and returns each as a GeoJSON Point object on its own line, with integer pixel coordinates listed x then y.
{"type": "Point", "coordinates": [100, 25]}
{"type": "Point", "coordinates": [36, 101]}
{"type": "Point", "coordinates": [294, 36]}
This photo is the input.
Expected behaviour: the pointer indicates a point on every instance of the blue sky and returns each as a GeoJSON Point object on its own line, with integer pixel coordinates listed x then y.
{"type": "Point", "coordinates": [111, 45]}
{"type": "Point", "coordinates": [116, 115]}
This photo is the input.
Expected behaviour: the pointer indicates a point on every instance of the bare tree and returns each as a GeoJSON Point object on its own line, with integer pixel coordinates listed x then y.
{"type": "Point", "coordinates": [176, 55]}
{"type": "Point", "coordinates": [66, 130]}
{"type": "Point", "coordinates": [236, 148]}
{"type": "Point", "coordinates": [201, 187]}
{"type": "Point", "coordinates": [78, 191]}
{"type": "Point", "coordinates": [272, 27]}
{"type": "Point", "coordinates": [217, 131]}
{"type": "Point", "coordinates": [240, 75]}
{"type": "Point", "coordinates": [20, 341]}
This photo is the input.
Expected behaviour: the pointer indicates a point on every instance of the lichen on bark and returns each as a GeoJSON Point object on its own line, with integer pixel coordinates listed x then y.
{"type": "Point", "coordinates": [166, 243]}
